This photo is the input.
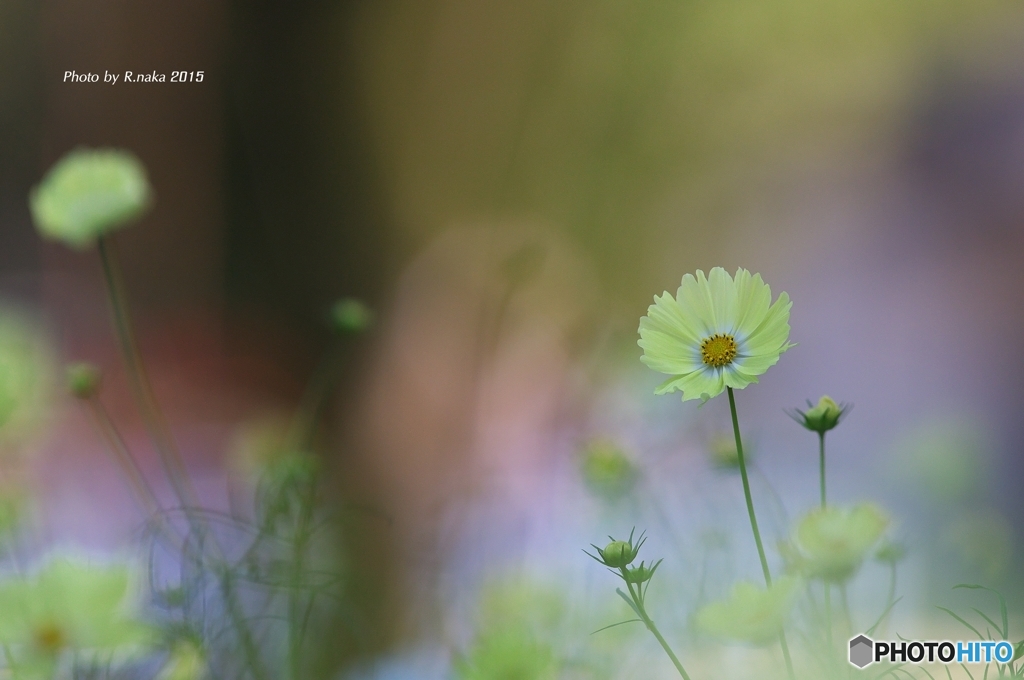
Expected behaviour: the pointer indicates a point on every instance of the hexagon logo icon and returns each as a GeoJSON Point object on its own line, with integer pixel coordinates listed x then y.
{"type": "Point", "coordinates": [861, 648]}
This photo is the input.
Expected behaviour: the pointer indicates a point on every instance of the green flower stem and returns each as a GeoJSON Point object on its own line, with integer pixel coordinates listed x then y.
{"type": "Point", "coordinates": [828, 614]}
{"type": "Point", "coordinates": [301, 436]}
{"type": "Point", "coordinates": [828, 588]}
{"type": "Point", "coordinates": [296, 628]}
{"type": "Point", "coordinates": [846, 609]}
{"type": "Point", "coordinates": [252, 656]}
{"type": "Point", "coordinates": [315, 398]}
{"type": "Point", "coordinates": [143, 492]}
{"type": "Point", "coordinates": [821, 460]}
{"type": "Point", "coordinates": [170, 458]}
{"type": "Point", "coordinates": [639, 603]}
{"type": "Point", "coordinates": [746, 490]}
{"type": "Point", "coordinates": [892, 587]}
{"type": "Point", "coordinates": [753, 521]}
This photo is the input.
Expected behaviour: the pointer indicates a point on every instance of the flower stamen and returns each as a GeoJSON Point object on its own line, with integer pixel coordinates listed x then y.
{"type": "Point", "coordinates": [718, 350]}
{"type": "Point", "coordinates": [49, 638]}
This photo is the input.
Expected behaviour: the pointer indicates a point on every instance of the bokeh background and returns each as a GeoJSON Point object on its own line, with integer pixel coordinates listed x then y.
{"type": "Point", "coordinates": [508, 184]}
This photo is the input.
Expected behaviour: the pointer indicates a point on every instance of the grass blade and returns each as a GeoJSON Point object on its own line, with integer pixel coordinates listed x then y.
{"type": "Point", "coordinates": [1005, 630]}
{"type": "Point", "coordinates": [958, 618]}
{"type": "Point", "coordinates": [881, 618]}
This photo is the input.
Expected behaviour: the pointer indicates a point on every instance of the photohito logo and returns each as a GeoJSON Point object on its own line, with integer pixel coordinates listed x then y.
{"type": "Point", "coordinates": [865, 651]}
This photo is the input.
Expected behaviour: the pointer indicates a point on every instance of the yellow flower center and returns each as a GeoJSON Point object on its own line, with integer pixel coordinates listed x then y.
{"type": "Point", "coordinates": [49, 638]}
{"type": "Point", "coordinates": [718, 350]}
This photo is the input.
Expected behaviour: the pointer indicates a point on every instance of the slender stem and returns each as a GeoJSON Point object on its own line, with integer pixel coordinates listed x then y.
{"type": "Point", "coordinates": [315, 398]}
{"type": "Point", "coordinates": [122, 455]}
{"type": "Point", "coordinates": [252, 656]}
{"type": "Point", "coordinates": [785, 654]}
{"type": "Point", "coordinates": [753, 520]}
{"type": "Point", "coordinates": [638, 601]}
{"type": "Point", "coordinates": [821, 460]}
{"type": "Point", "coordinates": [846, 609]}
{"type": "Point", "coordinates": [892, 585]}
{"type": "Point", "coordinates": [170, 458]}
{"type": "Point", "coordinates": [297, 629]}
{"type": "Point", "coordinates": [828, 614]}
{"type": "Point", "coordinates": [746, 490]}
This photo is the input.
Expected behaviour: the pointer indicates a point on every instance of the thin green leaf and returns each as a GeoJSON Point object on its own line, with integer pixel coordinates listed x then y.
{"type": "Point", "coordinates": [1005, 630]}
{"type": "Point", "coordinates": [889, 671]}
{"type": "Point", "coordinates": [620, 623]}
{"type": "Point", "coordinates": [629, 601]}
{"type": "Point", "coordinates": [955, 616]}
{"type": "Point", "coordinates": [967, 671]}
{"type": "Point", "coordinates": [881, 618]}
{"type": "Point", "coordinates": [925, 671]}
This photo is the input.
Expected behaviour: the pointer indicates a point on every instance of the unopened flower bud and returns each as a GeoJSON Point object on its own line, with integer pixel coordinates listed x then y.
{"type": "Point", "coordinates": [619, 554]}
{"type": "Point", "coordinates": [351, 316]}
{"type": "Point", "coordinates": [891, 553]}
{"type": "Point", "coordinates": [83, 379]}
{"type": "Point", "coordinates": [641, 574]}
{"type": "Point", "coordinates": [822, 417]}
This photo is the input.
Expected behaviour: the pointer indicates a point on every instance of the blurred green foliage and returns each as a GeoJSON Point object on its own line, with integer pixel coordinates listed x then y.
{"type": "Point", "coordinates": [27, 375]}
{"type": "Point", "coordinates": [636, 125]}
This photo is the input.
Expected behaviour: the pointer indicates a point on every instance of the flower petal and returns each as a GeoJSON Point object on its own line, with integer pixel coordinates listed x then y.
{"type": "Point", "coordinates": [772, 334]}
{"type": "Point", "coordinates": [753, 298]}
{"type": "Point", "coordinates": [694, 296]}
{"type": "Point", "coordinates": [723, 300]}
{"type": "Point", "coordinates": [755, 365]}
{"type": "Point", "coordinates": [736, 378]}
{"type": "Point", "coordinates": [669, 341]}
{"type": "Point", "coordinates": [707, 381]}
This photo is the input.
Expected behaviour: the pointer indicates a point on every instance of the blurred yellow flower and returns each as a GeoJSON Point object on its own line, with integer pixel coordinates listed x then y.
{"type": "Point", "coordinates": [258, 443]}
{"type": "Point", "coordinates": [88, 193]}
{"type": "Point", "coordinates": [751, 613]}
{"type": "Point", "coordinates": [513, 653]}
{"type": "Point", "coordinates": [831, 543]}
{"type": "Point", "coordinates": [717, 332]}
{"type": "Point", "coordinates": [68, 606]}
{"type": "Point", "coordinates": [186, 662]}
